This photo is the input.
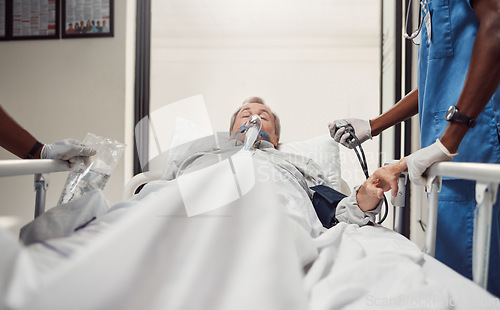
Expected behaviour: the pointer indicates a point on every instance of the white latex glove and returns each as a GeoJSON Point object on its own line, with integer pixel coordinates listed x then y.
{"type": "Point", "coordinates": [362, 130]}
{"type": "Point", "coordinates": [422, 159]}
{"type": "Point", "coordinates": [69, 149]}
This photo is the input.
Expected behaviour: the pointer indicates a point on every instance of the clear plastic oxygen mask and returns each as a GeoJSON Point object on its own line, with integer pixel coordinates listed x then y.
{"type": "Point", "coordinates": [252, 132]}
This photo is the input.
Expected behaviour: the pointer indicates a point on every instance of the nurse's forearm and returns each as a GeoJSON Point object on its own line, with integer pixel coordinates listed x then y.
{"type": "Point", "coordinates": [483, 75]}
{"type": "Point", "coordinates": [14, 138]}
{"type": "Point", "coordinates": [401, 111]}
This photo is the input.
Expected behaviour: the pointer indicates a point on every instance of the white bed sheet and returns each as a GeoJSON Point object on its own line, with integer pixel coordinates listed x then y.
{"type": "Point", "coordinates": [146, 253]}
{"type": "Point", "coordinates": [375, 268]}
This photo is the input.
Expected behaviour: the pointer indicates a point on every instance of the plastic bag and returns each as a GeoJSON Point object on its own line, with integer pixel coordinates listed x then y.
{"type": "Point", "coordinates": [83, 179]}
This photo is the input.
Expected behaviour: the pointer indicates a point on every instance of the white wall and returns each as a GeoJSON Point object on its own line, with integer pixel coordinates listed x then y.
{"type": "Point", "coordinates": [60, 89]}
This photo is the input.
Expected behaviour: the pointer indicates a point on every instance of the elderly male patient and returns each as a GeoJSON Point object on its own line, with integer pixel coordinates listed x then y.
{"type": "Point", "coordinates": [293, 175]}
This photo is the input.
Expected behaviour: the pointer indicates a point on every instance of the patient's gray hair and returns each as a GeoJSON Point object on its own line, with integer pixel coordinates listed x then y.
{"type": "Point", "coordinates": [277, 124]}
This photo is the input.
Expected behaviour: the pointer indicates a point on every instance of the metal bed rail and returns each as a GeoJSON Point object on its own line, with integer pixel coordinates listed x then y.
{"type": "Point", "coordinates": [40, 168]}
{"type": "Point", "coordinates": [487, 177]}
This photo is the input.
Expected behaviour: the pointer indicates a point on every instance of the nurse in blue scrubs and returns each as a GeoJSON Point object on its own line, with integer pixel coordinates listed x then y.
{"type": "Point", "coordinates": [458, 101]}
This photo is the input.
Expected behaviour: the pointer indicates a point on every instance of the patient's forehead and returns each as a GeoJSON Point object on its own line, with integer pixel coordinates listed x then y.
{"type": "Point", "coordinates": [255, 105]}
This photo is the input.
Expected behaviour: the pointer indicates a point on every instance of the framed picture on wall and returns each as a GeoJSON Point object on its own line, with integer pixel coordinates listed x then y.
{"type": "Point", "coordinates": [3, 19]}
{"type": "Point", "coordinates": [87, 19]}
{"type": "Point", "coordinates": [26, 19]}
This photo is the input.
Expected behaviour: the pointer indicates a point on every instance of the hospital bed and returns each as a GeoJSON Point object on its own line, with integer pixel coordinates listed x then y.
{"type": "Point", "coordinates": [146, 253]}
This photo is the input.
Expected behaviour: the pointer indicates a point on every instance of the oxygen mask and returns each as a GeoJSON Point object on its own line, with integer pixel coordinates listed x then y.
{"type": "Point", "coordinates": [253, 127]}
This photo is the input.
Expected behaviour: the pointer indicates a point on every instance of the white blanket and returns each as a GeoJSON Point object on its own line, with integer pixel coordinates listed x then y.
{"type": "Point", "coordinates": [371, 267]}
{"type": "Point", "coordinates": [147, 254]}
{"type": "Point", "coordinates": [257, 252]}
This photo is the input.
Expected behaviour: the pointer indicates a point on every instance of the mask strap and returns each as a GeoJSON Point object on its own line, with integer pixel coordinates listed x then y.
{"type": "Point", "coordinates": [265, 136]}
{"type": "Point", "coordinates": [241, 129]}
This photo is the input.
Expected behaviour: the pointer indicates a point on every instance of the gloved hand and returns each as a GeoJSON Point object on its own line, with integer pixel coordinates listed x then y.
{"type": "Point", "coordinates": [69, 149]}
{"type": "Point", "coordinates": [422, 159]}
{"type": "Point", "coordinates": [362, 130]}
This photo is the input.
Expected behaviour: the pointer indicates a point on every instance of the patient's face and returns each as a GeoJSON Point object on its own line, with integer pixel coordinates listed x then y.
{"type": "Point", "coordinates": [265, 114]}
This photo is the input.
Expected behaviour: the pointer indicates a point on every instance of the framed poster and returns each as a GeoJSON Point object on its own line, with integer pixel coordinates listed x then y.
{"type": "Point", "coordinates": [91, 18]}
{"type": "Point", "coordinates": [31, 19]}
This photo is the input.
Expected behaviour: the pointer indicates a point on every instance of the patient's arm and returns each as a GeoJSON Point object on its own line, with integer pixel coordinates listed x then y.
{"type": "Point", "coordinates": [382, 180]}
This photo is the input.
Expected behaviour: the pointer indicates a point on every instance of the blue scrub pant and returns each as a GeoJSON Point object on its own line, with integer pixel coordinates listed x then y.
{"type": "Point", "coordinates": [455, 226]}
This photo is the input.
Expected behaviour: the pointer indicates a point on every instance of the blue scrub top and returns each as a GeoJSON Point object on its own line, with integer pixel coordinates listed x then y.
{"type": "Point", "coordinates": [443, 65]}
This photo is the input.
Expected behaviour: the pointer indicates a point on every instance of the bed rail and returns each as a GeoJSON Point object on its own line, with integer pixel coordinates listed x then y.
{"type": "Point", "coordinates": [487, 177]}
{"type": "Point", "coordinates": [40, 168]}
{"type": "Point", "coordinates": [138, 180]}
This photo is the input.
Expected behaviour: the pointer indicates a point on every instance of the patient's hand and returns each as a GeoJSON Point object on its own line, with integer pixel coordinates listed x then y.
{"type": "Point", "coordinates": [382, 180]}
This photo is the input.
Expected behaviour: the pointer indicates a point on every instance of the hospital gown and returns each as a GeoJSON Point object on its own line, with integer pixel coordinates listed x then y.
{"type": "Point", "coordinates": [292, 174]}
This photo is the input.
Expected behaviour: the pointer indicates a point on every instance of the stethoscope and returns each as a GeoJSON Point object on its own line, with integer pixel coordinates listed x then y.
{"type": "Point", "coordinates": [414, 36]}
